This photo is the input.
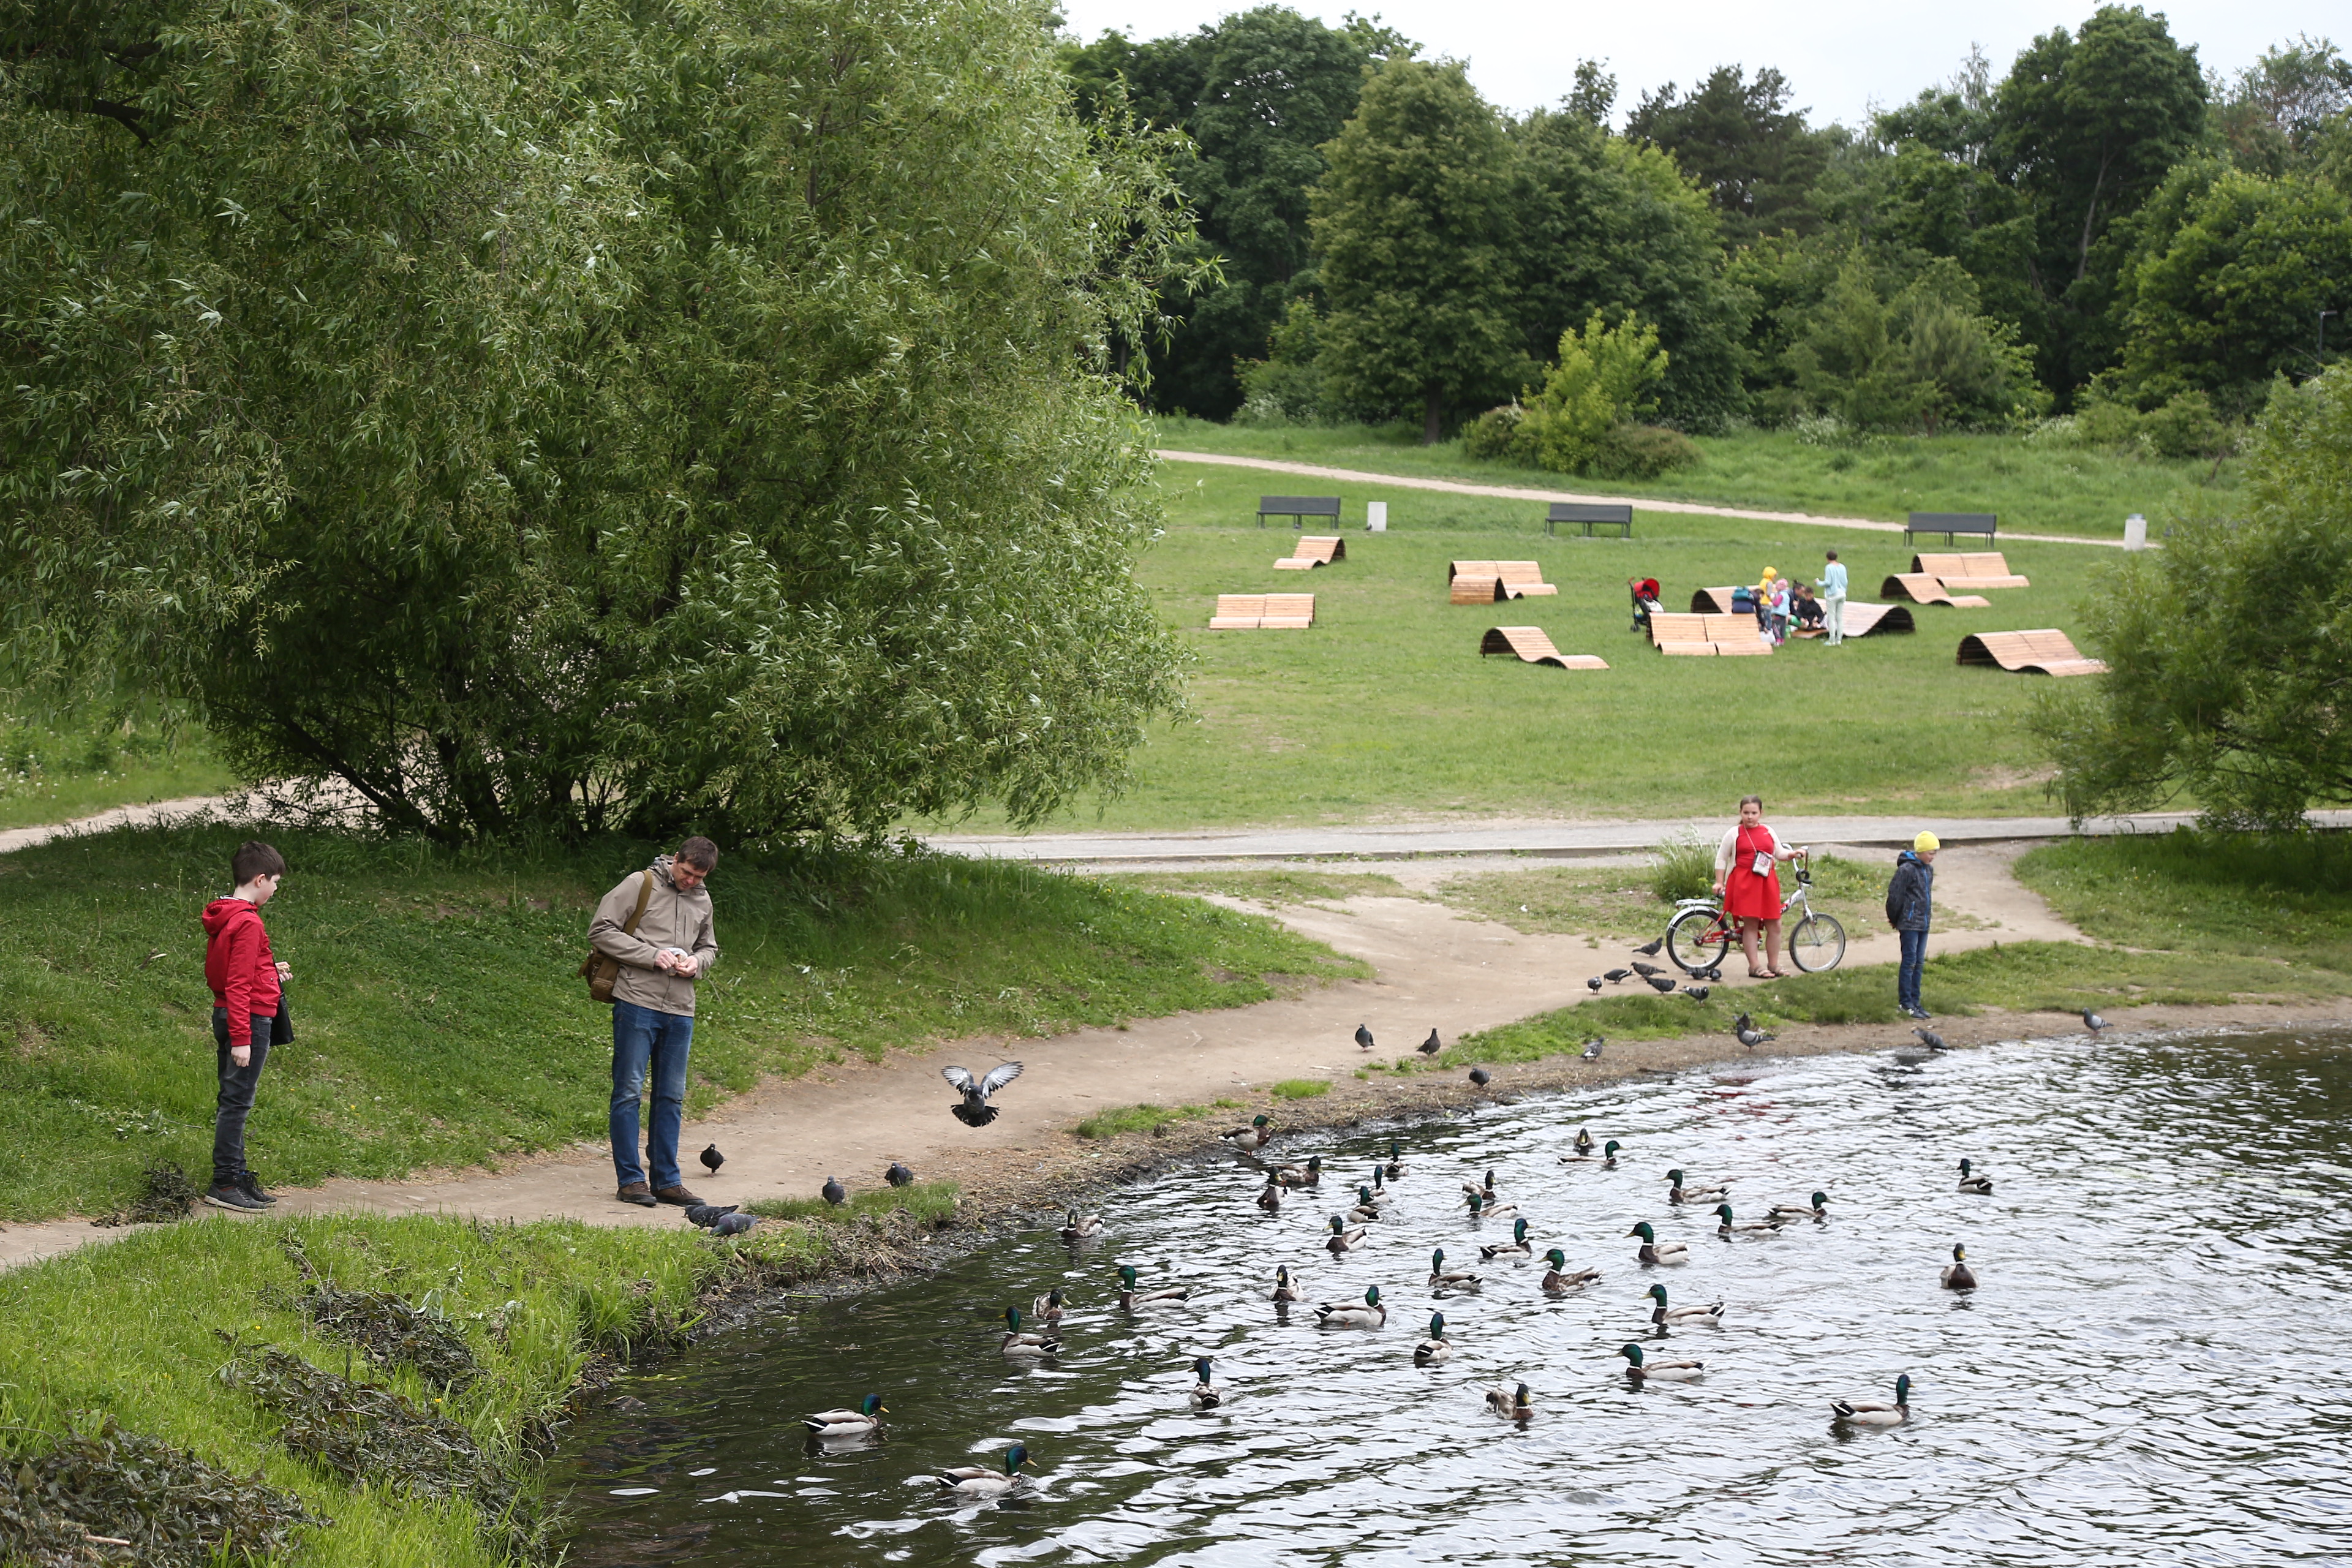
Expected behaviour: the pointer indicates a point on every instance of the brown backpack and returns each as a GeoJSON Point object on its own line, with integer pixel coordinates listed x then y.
{"type": "Point", "coordinates": [601, 970]}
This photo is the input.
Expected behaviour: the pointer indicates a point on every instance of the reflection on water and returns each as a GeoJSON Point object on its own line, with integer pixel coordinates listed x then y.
{"type": "Point", "coordinates": [2153, 1370]}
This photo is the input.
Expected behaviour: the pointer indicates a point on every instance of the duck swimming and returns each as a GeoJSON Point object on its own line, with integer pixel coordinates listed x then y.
{"type": "Point", "coordinates": [1344, 1238]}
{"type": "Point", "coordinates": [1971, 1183]}
{"type": "Point", "coordinates": [1285, 1288]}
{"type": "Point", "coordinates": [1082, 1227]}
{"type": "Point", "coordinates": [1367, 1207]}
{"type": "Point", "coordinates": [1726, 1225]}
{"type": "Point", "coordinates": [1819, 1209]}
{"type": "Point", "coordinates": [1308, 1175]}
{"type": "Point", "coordinates": [1518, 1246]}
{"type": "Point", "coordinates": [1207, 1394]}
{"type": "Point", "coordinates": [972, 1481]}
{"type": "Point", "coordinates": [1643, 1371]}
{"type": "Point", "coordinates": [1270, 1200]}
{"type": "Point", "coordinates": [1677, 1192]}
{"type": "Point", "coordinates": [1667, 1317]}
{"type": "Point", "coordinates": [1958, 1275]}
{"type": "Point", "coordinates": [1048, 1309]}
{"type": "Point", "coordinates": [1130, 1298]}
{"type": "Point", "coordinates": [1654, 1251]}
{"type": "Point", "coordinates": [1395, 1167]}
{"type": "Point", "coordinates": [1349, 1315]}
{"type": "Point", "coordinates": [1519, 1404]}
{"type": "Point", "coordinates": [1022, 1346]}
{"type": "Point", "coordinates": [1434, 1349]}
{"type": "Point", "coordinates": [1861, 1414]}
{"type": "Point", "coordinates": [1606, 1159]}
{"type": "Point", "coordinates": [1442, 1279]}
{"type": "Point", "coordinates": [833, 1425]}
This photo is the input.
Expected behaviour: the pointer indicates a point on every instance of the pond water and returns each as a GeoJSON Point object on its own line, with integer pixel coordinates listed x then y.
{"type": "Point", "coordinates": [2153, 1368]}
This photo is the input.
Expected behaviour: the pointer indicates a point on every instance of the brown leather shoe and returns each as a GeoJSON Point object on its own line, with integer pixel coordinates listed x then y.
{"type": "Point", "coordinates": [678, 1195]}
{"type": "Point", "coordinates": [636, 1193]}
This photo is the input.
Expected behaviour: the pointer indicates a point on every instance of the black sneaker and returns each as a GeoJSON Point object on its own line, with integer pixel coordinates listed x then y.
{"type": "Point", "coordinates": [251, 1186]}
{"type": "Point", "coordinates": [228, 1196]}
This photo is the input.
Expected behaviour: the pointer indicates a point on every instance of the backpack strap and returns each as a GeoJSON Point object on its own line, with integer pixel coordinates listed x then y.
{"type": "Point", "coordinates": [644, 892]}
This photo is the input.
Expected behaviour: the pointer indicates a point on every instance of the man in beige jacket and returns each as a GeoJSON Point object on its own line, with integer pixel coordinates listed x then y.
{"type": "Point", "coordinates": [653, 1009]}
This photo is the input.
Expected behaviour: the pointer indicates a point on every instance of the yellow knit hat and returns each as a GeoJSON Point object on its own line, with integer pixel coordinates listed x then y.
{"type": "Point", "coordinates": [1925, 841]}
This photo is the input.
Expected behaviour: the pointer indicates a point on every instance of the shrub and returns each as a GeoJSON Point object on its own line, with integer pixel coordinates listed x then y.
{"type": "Point", "coordinates": [1643, 452]}
{"type": "Point", "coordinates": [1496, 433]}
{"type": "Point", "coordinates": [2186, 426]}
{"type": "Point", "coordinates": [1601, 381]}
{"type": "Point", "coordinates": [1681, 867]}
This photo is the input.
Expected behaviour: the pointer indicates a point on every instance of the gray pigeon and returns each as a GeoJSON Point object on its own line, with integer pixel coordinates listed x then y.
{"type": "Point", "coordinates": [707, 1214]}
{"type": "Point", "coordinates": [1594, 983]}
{"type": "Point", "coordinates": [975, 1110]}
{"type": "Point", "coordinates": [1695, 993]}
{"type": "Point", "coordinates": [2093, 1021]}
{"type": "Point", "coordinates": [1743, 1021]}
{"type": "Point", "coordinates": [835, 1193]}
{"type": "Point", "coordinates": [898, 1175]}
{"type": "Point", "coordinates": [1650, 950]}
{"type": "Point", "coordinates": [1615, 975]}
{"type": "Point", "coordinates": [1932, 1040]}
{"type": "Point", "coordinates": [1750, 1035]}
{"type": "Point", "coordinates": [1660, 985]}
{"type": "Point", "coordinates": [1646, 970]}
{"type": "Point", "coordinates": [1432, 1046]}
{"type": "Point", "coordinates": [1481, 1077]}
{"type": "Point", "coordinates": [1593, 1048]}
{"type": "Point", "coordinates": [734, 1223]}
{"type": "Point", "coordinates": [1363, 1036]}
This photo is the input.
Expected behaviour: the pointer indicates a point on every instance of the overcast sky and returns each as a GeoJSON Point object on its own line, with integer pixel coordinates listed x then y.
{"type": "Point", "coordinates": [1841, 55]}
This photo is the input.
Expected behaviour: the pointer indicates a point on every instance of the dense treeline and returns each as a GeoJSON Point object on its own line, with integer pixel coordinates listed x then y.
{"type": "Point", "coordinates": [2105, 231]}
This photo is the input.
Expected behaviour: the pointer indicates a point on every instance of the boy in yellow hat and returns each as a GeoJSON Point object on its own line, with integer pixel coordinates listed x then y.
{"type": "Point", "coordinates": [1910, 904]}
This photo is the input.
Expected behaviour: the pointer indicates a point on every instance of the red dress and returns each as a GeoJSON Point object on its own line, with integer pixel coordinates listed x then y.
{"type": "Point", "coordinates": [1745, 895]}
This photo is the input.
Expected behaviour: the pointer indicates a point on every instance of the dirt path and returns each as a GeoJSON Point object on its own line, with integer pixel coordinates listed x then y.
{"type": "Point", "coordinates": [1434, 969]}
{"type": "Point", "coordinates": [120, 816]}
{"type": "Point", "coordinates": [1515, 492]}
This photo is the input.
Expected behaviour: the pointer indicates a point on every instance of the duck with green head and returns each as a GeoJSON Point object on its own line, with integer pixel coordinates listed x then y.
{"type": "Point", "coordinates": [1862, 1413]}
{"type": "Point", "coordinates": [1370, 1315]}
{"type": "Point", "coordinates": [1640, 1369]}
{"type": "Point", "coordinates": [1020, 1345]}
{"type": "Point", "coordinates": [1396, 1166]}
{"type": "Point", "coordinates": [1487, 1192]}
{"type": "Point", "coordinates": [1559, 1281]}
{"type": "Point", "coordinates": [1518, 1246]}
{"type": "Point", "coordinates": [1606, 1159]}
{"type": "Point", "coordinates": [1654, 1251]}
{"type": "Point", "coordinates": [1308, 1175]}
{"type": "Point", "coordinates": [1047, 1308]}
{"type": "Point", "coordinates": [1367, 1207]}
{"type": "Point", "coordinates": [1666, 1316]}
{"type": "Point", "coordinates": [1679, 1191]}
{"type": "Point", "coordinates": [973, 1482]}
{"type": "Point", "coordinates": [1344, 1238]}
{"type": "Point", "coordinates": [1259, 1133]}
{"type": "Point", "coordinates": [1970, 1182]}
{"type": "Point", "coordinates": [835, 1426]}
{"type": "Point", "coordinates": [1131, 1299]}
{"type": "Point", "coordinates": [1285, 1288]}
{"type": "Point", "coordinates": [1207, 1393]}
{"type": "Point", "coordinates": [1434, 1349]}
{"type": "Point", "coordinates": [1958, 1276]}
{"type": "Point", "coordinates": [1726, 1225]}
{"type": "Point", "coordinates": [1443, 1278]}
{"type": "Point", "coordinates": [1518, 1404]}
{"type": "Point", "coordinates": [1481, 1209]}
{"type": "Point", "coordinates": [1818, 1209]}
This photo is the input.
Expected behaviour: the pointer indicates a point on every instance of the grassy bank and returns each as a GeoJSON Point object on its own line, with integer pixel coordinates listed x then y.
{"type": "Point", "coordinates": [65, 766]}
{"type": "Point", "coordinates": [2035, 488]}
{"type": "Point", "coordinates": [439, 1021]}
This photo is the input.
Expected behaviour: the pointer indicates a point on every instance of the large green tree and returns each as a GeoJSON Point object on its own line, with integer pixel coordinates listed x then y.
{"type": "Point", "coordinates": [544, 418]}
{"type": "Point", "coordinates": [1415, 223]}
{"type": "Point", "coordinates": [1751, 153]}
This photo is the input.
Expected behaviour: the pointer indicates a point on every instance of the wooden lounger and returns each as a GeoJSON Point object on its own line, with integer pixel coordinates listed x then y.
{"type": "Point", "coordinates": [1921, 589]}
{"type": "Point", "coordinates": [1263, 612]}
{"type": "Point", "coordinates": [1861, 620]}
{"type": "Point", "coordinates": [1310, 553]}
{"type": "Point", "coordinates": [1465, 589]}
{"type": "Point", "coordinates": [1984, 568]}
{"type": "Point", "coordinates": [1703, 636]}
{"type": "Point", "coordinates": [1520, 579]}
{"type": "Point", "coordinates": [1712, 602]}
{"type": "Point", "coordinates": [1534, 648]}
{"type": "Point", "coordinates": [2045, 652]}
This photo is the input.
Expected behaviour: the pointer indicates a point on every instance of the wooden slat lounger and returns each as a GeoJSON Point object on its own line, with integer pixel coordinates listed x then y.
{"type": "Point", "coordinates": [1704, 636]}
{"type": "Point", "coordinates": [1466, 589]}
{"type": "Point", "coordinates": [1983, 569]}
{"type": "Point", "coordinates": [1534, 647]}
{"type": "Point", "coordinates": [1712, 602]}
{"type": "Point", "coordinates": [1520, 579]}
{"type": "Point", "coordinates": [1861, 620]}
{"type": "Point", "coordinates": [2045, 652]}
{"type": "Point", "coordinates": [1310, 553]}
{"type": "Point", "coordinates": [1922, 588]}
{"type": "Point", "coordinates": [1263, 612]}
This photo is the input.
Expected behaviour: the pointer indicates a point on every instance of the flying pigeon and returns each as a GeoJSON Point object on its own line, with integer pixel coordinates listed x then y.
{"type": "Point", "coordinates": [1593, 1048]}
{"type": "Point", "coordinates": [1651, 949]}
{"type": "Point", "coordinates": [1615, 975]}
{"type": "Point", "coordinates": [1750, 1035]}
{"type": "Point", "coordinates": [1432, 1046]}
{"type": "Point", "coordinates": [707, 1214]}
{"type": "Point", "coordinates": [2093, 1021]}
{"type": "Point", "coordinates": [975, 1110]}
{"type": "Point", "coordinates": [1481, 1077]}
{"type": "Point", "coordinates": [1363, 1036]}
{"type": "Point", "coordinates": [1646, 970]}
{"type": "Point", "coordinates": [1695, 993]}
{"type": "Point", "coordinates": [1661, 983]}
{"type": "Point", "coordinates": [1928, 1037]}
{"type": "Point", "coordinates": [898, 1175]}
{"type": "Point", "coordinates": [835, 1193]}
{"type": "Point", "coordinates": [712, 1159]}
{"type": "Point", "coordinates": [1594, 983]}
{"type": "Point", "coordinates": [734, 1223]}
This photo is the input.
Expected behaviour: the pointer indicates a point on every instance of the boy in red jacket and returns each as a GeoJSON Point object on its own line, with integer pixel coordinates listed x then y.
{"type": "Point", "coordinates": [248, 1016]}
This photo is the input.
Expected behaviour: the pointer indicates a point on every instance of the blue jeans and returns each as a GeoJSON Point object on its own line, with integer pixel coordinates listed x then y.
{"type": "Point", "coordinates": [642, 1039]}
{"type": "Point", "coordinates": [1906, 974]}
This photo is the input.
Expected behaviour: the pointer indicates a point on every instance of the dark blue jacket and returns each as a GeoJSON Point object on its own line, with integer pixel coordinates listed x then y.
{"type": "Point", "coordinates": [1911, 896]}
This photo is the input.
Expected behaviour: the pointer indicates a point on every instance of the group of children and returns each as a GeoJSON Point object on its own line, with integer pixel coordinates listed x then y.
{"type": "Point", "coordinates": [1780, 603]}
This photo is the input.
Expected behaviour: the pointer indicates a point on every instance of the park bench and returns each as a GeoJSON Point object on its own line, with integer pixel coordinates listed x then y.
{"type": "Point", "coordinates": [1950, 523]}
{"type": "Point", "coordinates": [1297, 508]}
{"type": "Point", "coordinates": [2043, 652]}
{"type": "Point", "coordinates": [1921, 589]}
{"type": "Point", "coordinates": [1511, 580]}
{"type": "Point", "coordinates": [1534, 647]}
{"type": "Point", "coordinates": [1591, 515]}
{"type": "Point", "coordinates": [1263, 613]}
{"type": "Point", "coordinates": [1986, 569]}
{"type": "Point", "coordinates": [1311, 551]}
{"type": "Point", "coordinates": [1707, 635]}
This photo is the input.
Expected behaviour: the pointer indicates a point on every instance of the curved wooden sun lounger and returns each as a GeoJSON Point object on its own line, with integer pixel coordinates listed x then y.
{"type": "Point", "coordinates": [1519, 579]}
{"type": "Point", "coordinates": [1310, 553]}
{"type": "Point", "coordinates": [1263, 613]}
{"type": "Point", "coordinates": [1980, 569]}
{"type": "Point", "coordinates": [2045, 652]}
{"type": "Point", "coordinates": [1861, 620]}
{"type": "Point", "coordinates": [1705, 636]}
{"type": "Point", "coordinates": [1465, 589]}
{"type": "Point", "coordinates": [1534, 647]}
{"type": "Point", "coordinates": [1712, 602]}
{"type": "Point", "coordinates": [1922, 588]}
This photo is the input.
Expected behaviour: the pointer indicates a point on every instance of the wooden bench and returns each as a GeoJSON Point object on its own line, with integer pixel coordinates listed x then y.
{"type": "Point", "coordinates": [1591, 515]}
{"type": "Point", "coordinates": [1950, 523]}
{"type": "Point", "coordinates": [1986, 569]}
{"type": "Point", "coordinates": [1263, 613]}
{"type": "Point", "coordinates": [1297, 508]}
{"type": "Point", "coordinates": [1513, 580]}
{"type": "Point", "coordinates": [2045, 652]}
{"type": "Point", "coordinates": [1533, 646]}
{"type": "Point", "coordinates": [1311, 551]}
{"type": "Point", "coordinates": [1707, 636]}
{"type": "Point", "coordinates": [1923, 589]}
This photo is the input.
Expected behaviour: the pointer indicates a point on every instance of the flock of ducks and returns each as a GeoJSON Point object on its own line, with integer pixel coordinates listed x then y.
{"type": "Point", "coordinates": [1029, 1337]}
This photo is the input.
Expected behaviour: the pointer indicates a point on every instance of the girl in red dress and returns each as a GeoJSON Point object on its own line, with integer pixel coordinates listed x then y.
{"type": "Point", "coordinates": [1750, 886]}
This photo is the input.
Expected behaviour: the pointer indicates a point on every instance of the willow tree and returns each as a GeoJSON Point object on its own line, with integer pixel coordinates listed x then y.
{"type": "Point", "coordinates": [537, 417]}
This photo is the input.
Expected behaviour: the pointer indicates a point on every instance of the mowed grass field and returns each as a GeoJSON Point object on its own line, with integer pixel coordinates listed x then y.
{"type": "Point", "coordinates": [1385, 711]}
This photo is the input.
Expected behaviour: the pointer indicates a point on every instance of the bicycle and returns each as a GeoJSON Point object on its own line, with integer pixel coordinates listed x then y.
{"type": "Point", "coordinates": [1698, 936]}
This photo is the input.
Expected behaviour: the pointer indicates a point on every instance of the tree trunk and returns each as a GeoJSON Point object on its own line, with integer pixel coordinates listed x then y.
{"type": "Point", "coordinates": [1431, 423]}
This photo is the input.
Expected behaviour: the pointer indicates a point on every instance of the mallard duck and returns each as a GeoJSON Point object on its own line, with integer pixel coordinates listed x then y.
{"type": "Point", "coordinates": [1022, 1346]}
{"type": "Point", "coordinates": [1518, 1246]}
{"type": "Point", "coordinates": [1270, 1200]}
{"type": "Point", "coordinates": [1349, 1315]}
{"type": "Point", "coordinates": [1606, 1159]}
{"type": "Point", "coordinates": [1481, 1209]}
{"type": "Point", "coordinates": [1396, 1166]}
{"type": "Point", "coordinates": [972, 1481]}
{"type": "Point", "coordinates": [1257, 1135]}
{"type": "Point", "coordinates": [1641, 1371]}
{"type": "Point", "coordinates": [1971, 1183]}
{"type": "Point", "coordinates": [1958, 1276]}
{"type": "Point", "coordinates": [1819, 1209]}
{"type": "Point", "coordinates": [1378, 1190]}
{"type": "Point", "coordinates": [1285, 1288]}
{"type": "Point", "coordinates": [1862, 1414]}
{"type": "Point", "coordinates": [1519, 1405]}
{"type": "Point", "coordinates": [1678, 1191]}
{"type": "Point", "coordinates": [1667, 1317]}
{"type": "Point", "coordinates": [1559, 1281]}
{"type": "Point", "coordinates": [1726, 1225]}
{"type": "Point", "coordinates": [1343, 1238]}
{"type": "Point", "coordinates": [1367, 1207]}
{"type": "Point", "coordinates": [1047, 1308]}
{"type": "Point", "coordinates": [833, 1426]}
{"type": "Point", "coordinates": [1207, 1394]}
{"type": "Point", "coordinates": [1308, 1175]}
{"type": "Point", "coordinates": [1434, 1349]}
{"type": "Point", "coordinates": [1130, 1298]}
{"type": "Point", "coordinates": [1584, 1141]}
{"type": "Point", "coordinates": [1442, 1279]}
{"type": "Point", "coordinates": [1487, 1192]}
{"type": "Point", "coordinates": [1656, 1251]}
{"type": "Point", "coordinates": [1082, 1226]}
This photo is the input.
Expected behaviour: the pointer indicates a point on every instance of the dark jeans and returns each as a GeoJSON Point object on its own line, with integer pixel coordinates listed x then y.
{"type": "Point", "coordinates": [1906, 973]}
{"type": "Point", "coordinates": [237, 1087]}
{"type": "Point", "coordinates": [643, 1039]}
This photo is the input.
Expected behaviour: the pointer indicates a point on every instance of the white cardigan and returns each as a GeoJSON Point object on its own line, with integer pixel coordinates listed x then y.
{"type": "Point", "coordinates": [1729, 848]}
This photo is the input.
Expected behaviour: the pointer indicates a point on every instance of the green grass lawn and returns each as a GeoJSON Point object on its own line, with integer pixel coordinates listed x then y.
{"type": "Point", "coordinates": [1385, 711]}
{"type": "Point", "coordinates": [77, 766]}
{"type": "Point", "coordinates": [439, 1020]}
{"type": "Point", "coordinates": [2035, 489]}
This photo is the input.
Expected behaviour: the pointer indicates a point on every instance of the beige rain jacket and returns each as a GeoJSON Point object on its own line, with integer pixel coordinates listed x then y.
{"type": "Point", "coordinates": [674, 918]}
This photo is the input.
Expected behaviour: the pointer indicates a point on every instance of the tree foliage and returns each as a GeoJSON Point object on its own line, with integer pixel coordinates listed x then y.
{"type": "Point", "coordinates": [1602, 378]}
{"type": "Point", "coordinates": [2230, 650]}
{"type": "Point", "coordinates": [1752, 155]}
{"type": "Point", "coordinates": [545, 419]}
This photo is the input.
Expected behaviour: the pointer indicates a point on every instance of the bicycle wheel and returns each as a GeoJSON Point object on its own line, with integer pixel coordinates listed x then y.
{"type": "Point", "coordinates": [1696, 940]}
{"type": "Point", "coordinates": [1818, 943]}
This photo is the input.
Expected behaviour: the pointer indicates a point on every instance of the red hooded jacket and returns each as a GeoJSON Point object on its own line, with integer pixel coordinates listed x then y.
{"type": "Point", "coordinates": [238, 965]}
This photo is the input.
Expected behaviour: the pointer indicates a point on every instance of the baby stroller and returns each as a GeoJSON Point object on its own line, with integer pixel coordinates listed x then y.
{"type": "Point", "coordinates": [1645, 601]}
